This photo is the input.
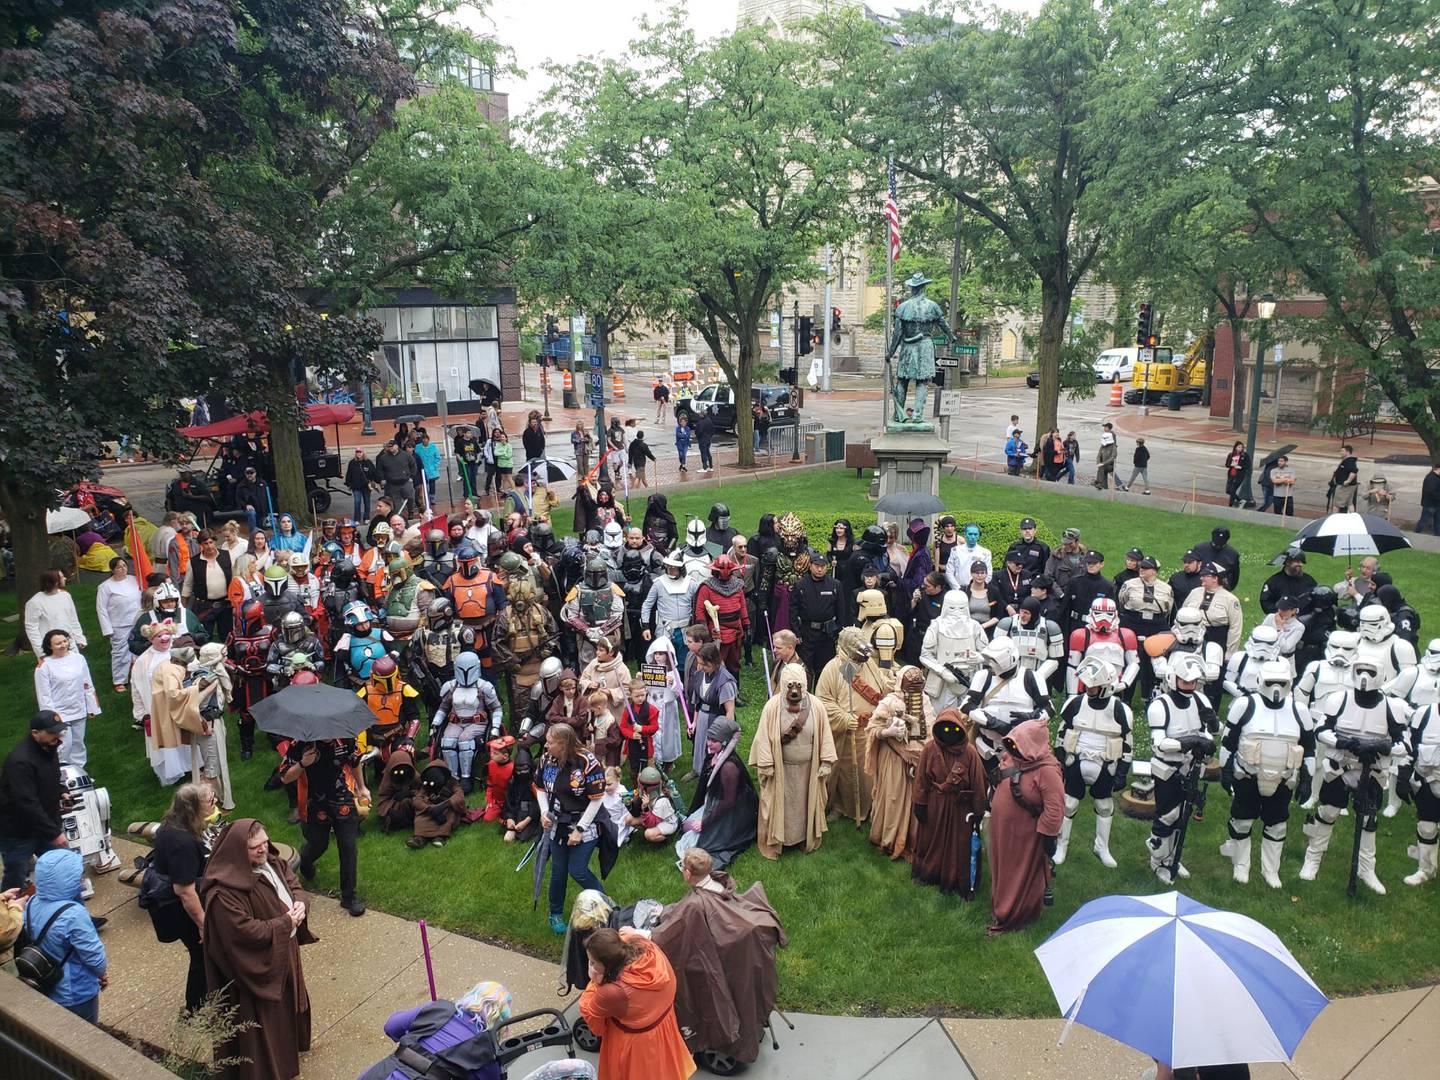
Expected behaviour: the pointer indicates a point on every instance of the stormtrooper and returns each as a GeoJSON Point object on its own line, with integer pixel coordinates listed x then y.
{"type": "Point", "coordinates": [695, 554]}
{"type": "Point", "coordinates": [1242, 671]}
{"type": "Point", "coordinates": [1002, 694]}
{"type": "Point", "coordinates": [1379, 642]}
{"type": "Point", "coordinates": [293, 649]}
{"type": "Point", "coordinates": [1331, 675]}
{"type": "Point", "coordinates": [1095, 748]}
{"type": "Point", "coordinates": [361, 645]}
{"type": "Point", "coordinates": [1419, 685]}
{"type": "Point", "coordinates": [431, 652]}
{"type": "Point", "coordinates": [406, 600]}
{"type": "Point", "coordinates": [1360, 731]}
{"type": "Point", "coordinates": [720, 532]}
{"type": "Point", "coordinates": [1189, 631]}
{"type": "Point", "coordinates": [950, 652]}
{"type": "Point", "coordinates": [1040, 641]}
{"type": "Point", "coordinates": [669, 604]}
{"type": "Point", "coordinates": [1103, 638]}
{"type": "Point", "coordinates": [635, 575]}
{"type": "Point", "coordinates": [1266, 757]}
{"type": "Point", "coordinates": [85, 822]}
{"type": "Point", "coordinates": [1420, 780]}
{"type": "Point", "coordinates": [612, 542]}
{"type": "Point", "coordinates": [469, 708]}
{"type": "Point", "coordinates": [1182, 728]}
{"type": "Point", "coordinates": [595, 607]}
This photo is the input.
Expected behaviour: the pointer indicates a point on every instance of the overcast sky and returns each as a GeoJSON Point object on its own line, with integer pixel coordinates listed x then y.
{"type": "Point", "coordinates": [541, 30]}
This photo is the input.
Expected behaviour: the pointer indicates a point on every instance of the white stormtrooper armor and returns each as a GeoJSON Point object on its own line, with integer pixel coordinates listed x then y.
{"type": "Point", "coordinates": [1419, 685]}
{"type": "Point", "coordinates": [1358, 727]}
{"type": "Point", "coordinates": [1268, 752]}
{"type": "Point", "coordinates": [1182, 723]}
{"type": "Point", "coordinates": [1321, 678]}
{"type": "Point", "coordinates": [1242, 672]}
{"type": "Point", "coordinates": [1001, 695]}
{"type": "Point", "coordinates": [695, 554]}
{"type": "Point", "coordinates": [86, 823]}
{"type": "Point", "coordinates": [950, 654]}
{"type": "Point", "coordinates": [1422, 742]}
{"type": "Point", "coordinates": [1041, 644]}
{"type": "Point", "coordinates": [1095, 749]}
{"type": "Point", "coordinates": [1379, 642]}
{"type": "Point", "coordinates": [1189, 631]}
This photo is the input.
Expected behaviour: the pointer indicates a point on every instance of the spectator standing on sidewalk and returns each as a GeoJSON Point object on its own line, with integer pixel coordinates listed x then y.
{"type": "Point", "coordinates": [359, 476]}
{"type": "Point", "coordinates": [760, 417]}
{"type": "Point", "coordinates": [1430, 502]}
{"type": "Point", "coordinates": [580, 443]}
{"type": "Point", "coordinates": [428, 455]}
{"type": "Point", "coordinates": [1015, 452]}
{"type": "Point", "coordinates": [1283, 477]}
{"type": "Point", "coordinates": [1072, 455]}
{"type": "Point", "coordinates": [639, 453]}
{"type": "Point", "coordinates": [1345, 480]}
{"type": "Point", "coordinates": [1141, 466]}
{"type": "Point", "coordinates": [468, 451]}
{"type": "Point", "coordinates": [704, 433]}
{"type": "Point", "coordinates": [683, 435]}
{"type": "Point", "coordinates": [1237, 464]}
{"type": "Point", "coordinates": [1105, 457]}
{"type": "Point", "coordinates": [533, 437]}
{"type": "Point", "coordinates": [662, 398]}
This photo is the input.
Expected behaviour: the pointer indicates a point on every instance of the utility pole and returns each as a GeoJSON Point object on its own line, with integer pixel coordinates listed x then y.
{"type": "Point", "coordinates": [825, 354]}
{"type": "Point", "coordinates": [1266, 308]}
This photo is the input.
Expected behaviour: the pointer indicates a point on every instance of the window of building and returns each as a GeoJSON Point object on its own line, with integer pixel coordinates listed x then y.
{"type": "Point", "coordinates": [445, 346]}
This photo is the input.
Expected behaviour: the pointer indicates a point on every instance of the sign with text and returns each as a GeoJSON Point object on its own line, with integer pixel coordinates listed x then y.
{"type": "Point", "coordinates": [949, 402]}
{"type": "Point", "coordinates": [656, 675]}
{"type": "Point", "coordinates": [682, 365]}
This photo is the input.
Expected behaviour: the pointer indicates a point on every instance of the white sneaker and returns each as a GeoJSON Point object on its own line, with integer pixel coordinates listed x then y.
{"type": "Point", "coordinates": [87, 889]}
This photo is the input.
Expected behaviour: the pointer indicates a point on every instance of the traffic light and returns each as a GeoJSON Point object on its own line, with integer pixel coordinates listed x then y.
{"type": "Point", "coordinates": [552, 328]}
{"type": "Point", "coordinates": [834, 320]}
{"type": "Point", "coordinates": [806, 336]}
{"type": "Point", "coordinates": [1143, 325]}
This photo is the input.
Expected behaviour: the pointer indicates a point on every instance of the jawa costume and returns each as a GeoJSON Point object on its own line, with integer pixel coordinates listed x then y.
{"type": "Point", "coordinates": [948, 797]}
{"type": "Point", "coordinates": [520, 815]}
{"type": "Point", "coordinates": [897, 732]}
{"type": "Point", "coordinates": [245, 654]}
{"type": "Point", "coordinates": [469, 713]}
{"type": "Point", "coordinates": [525, 636]}
{"type": "Point", "coordinates": [293, 649]}
{"type": "Point", "coordinates": [722, 945]}
{"type": "Point", "coordinates": [439, 805]}
{"type": "Point", "coordinates": [398, 785]}
{"type": "Point", "coordinates": [720, 605]}
{"type": "Point", "coordinates": [793, 753]}
{"type": "Point", "coordinates": [252, 957]}
{"type": "Point", "coordinates": [432, 650]}
{"type": "Point", "coordinates": [498, 773]}
{"type": "Point", "coordinates": [1026, 809]}
{"type": "Point", "coordinates": [781, 567]}
{"type": "Point", "coordinates": [361, 645]}
{"type": "Point", "coordinates": [848, 786]}
{"type": "Point", "coordinates": [478, 598]}
{"type": "Point", "coordinates": [396, 706]}
{"type": "Point", "coordinates": [595, 608]}
{"type": "Point", "coordinates": [407, 600]}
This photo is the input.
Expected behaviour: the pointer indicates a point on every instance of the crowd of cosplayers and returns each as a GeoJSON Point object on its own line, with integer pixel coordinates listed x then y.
{"type": "Point", "coordinates": [916, 683]}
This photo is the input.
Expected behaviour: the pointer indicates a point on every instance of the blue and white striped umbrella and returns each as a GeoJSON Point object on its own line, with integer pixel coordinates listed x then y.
{"type": "Point", "coordinates": [1179, 981]}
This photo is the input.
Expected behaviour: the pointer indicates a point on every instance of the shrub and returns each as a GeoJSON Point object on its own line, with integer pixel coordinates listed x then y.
{"type": "Point", "coordinates": [998, 529]}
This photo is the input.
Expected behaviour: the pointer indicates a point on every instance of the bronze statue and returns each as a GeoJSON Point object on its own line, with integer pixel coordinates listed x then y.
{"type": "Point", "coordinates": [916, 320]}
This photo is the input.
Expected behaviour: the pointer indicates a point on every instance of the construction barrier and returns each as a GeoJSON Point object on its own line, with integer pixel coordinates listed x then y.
{"type": "Point", "coordinates": [569, 381]}
{"type": "Point", "coordinates": [1117, 395]}
{"type": "Point", "coordinates": [617, 388]}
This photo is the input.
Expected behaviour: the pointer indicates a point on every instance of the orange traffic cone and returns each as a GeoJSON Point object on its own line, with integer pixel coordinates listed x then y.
{"type": "Point", "coordinates": [569, 381]}
{"type": "Point", "coordinates": [1117, 395]}
{"type": "Point", "coordinates": [618, 388]}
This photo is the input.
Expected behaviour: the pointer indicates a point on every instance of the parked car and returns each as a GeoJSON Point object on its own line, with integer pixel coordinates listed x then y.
{"type": "Point", "coordinates": [719, 401]}
{"type": "Point", "coordinates": [1116, 365]}
{"type": "Point", "coordinates": [1032, 380]}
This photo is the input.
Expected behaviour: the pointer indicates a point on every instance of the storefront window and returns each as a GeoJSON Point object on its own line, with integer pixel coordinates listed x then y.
{"type": "Point", "coordinates": [443, 346]}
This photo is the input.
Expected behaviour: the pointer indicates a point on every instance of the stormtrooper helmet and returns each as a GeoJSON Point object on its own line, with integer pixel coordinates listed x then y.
{"type": "Point", "coordinates": [1375, 624]}
{"type": "Point", "coordinates": [467, 669]}
{"type": "Point", "coordinates": [1098, 677]}
{"type": "Point", "coordinates": [1102, 615]}
{"type": "Point", "coordinates": [1431, 660]}
{"type": "Point", "coordinates": [1189, 626]}
{"type": "Point", "coordinates": [869, 604]}
{"type": "Point", "coordinates": [886, 639]}
{"type": "Point", "coordinates": [1275, 681]}
{"type": "Point", "coordinates": [695, 534]}
{"type": "Point", "coordinates": [613, 537]}
{"type": "Point", "coordinates": [1187, 671]}
{"type": "Point", "coordinates": [1341, 647]}
{"type": "Point", "coordinates": [1000, 656]}
{"type": "Point", "coordinates": [1264, 643]}
{"type": "Point", "coordinates": [1365, 673]}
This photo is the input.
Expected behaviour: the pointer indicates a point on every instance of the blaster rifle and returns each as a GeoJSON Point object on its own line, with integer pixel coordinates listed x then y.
{"type": "Point", "coordinates": [1190, 798]}
{"type": "Point", "coordinates": [1366, 750]}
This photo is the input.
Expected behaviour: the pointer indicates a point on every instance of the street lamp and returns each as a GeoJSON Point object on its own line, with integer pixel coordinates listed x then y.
{"type": "Point", "coordinates": [1266, 309]}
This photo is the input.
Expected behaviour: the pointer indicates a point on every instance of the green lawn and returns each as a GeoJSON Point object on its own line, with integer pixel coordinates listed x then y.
{"type": "Point", "coordinates": [862, 937]}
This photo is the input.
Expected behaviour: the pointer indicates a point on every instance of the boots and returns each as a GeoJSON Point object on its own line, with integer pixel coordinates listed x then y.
{"type": "Point", "coordinates": [1425, 870]}
{"type": "Point", "coordinates": [1367, 863]}
{"type": "Point", "coordinates": [1062, 844]}
{"type": "Point", "coordinates": [1392, 799]}
{"type": "Point", "coordinates": [1270, 860]}
{"type": "Point", "coordinates": [1102, 841]}
{"type": "Point", "coordinates": [1240, 860]}
{"type": "Point", "coordinates": [1319, 834]}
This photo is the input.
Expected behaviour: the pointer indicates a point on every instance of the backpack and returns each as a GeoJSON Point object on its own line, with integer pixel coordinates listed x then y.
{"type": "Point", "coordinates": [156, 889]}
{"type": "Point", "coordinates": [37, 968]}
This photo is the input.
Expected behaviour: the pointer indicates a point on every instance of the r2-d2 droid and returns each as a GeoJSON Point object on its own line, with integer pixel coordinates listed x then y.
{"type": "Point", "coordinates": [86, 821]}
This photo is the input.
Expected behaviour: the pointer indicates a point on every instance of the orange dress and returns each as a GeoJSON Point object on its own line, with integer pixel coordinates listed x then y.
{"type": "Point", "coordinates": [635, 1018]}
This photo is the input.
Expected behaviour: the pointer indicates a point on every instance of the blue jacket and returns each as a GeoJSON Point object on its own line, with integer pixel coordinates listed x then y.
{"type": "Point", "coordinates": [683, 436]}
{"type": "Point", "coordinates": [429, 458]}
{"type": "Point", "coordinates": [57, 879]}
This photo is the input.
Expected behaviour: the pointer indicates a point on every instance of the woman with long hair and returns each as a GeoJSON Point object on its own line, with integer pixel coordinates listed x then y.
{"type": "Point", "coordinates": [1237, 465]}
{"type": "Point", "coordinates": [630, 1004]}
{"type": "Point", "coordinates": [260, 550]}
{"type": "Point", "coordinates": [572, 786]}
{"type": "Point", "coordinates": [180, 851]}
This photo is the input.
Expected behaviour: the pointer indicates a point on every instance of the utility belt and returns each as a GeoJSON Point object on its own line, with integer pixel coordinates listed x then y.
{"type": "Point", "coordinates": [1114, 746]}
{"type": "Point", "coordinates": [828, 626]}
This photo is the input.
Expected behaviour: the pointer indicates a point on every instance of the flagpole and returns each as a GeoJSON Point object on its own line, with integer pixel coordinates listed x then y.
{"type": "Point", "coordinates": [889, 307]}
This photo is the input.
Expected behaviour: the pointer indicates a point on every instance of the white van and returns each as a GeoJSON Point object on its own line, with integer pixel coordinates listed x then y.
{"type": "Point", "coordinates": [1116, 365]}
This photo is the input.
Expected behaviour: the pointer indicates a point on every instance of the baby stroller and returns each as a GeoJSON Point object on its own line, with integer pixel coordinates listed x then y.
{"type": "Point", "coordinates": [722, 947]}
{"type": "Point", "coordinates": [479, 1052]}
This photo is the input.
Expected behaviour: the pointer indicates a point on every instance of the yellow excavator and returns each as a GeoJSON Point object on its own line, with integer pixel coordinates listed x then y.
{"type": "Point", "coordinates": [1152, 382]}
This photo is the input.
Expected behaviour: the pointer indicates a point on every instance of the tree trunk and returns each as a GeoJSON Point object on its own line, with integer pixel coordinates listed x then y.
{"type": "Point", "coordinates": [290, 494]}
{"type": "Point", "coordinates": [1238, 383]}
{"type": "Point", "coordinates": [1055, 299]}
{"type": "Point", "coordinates": [681, 328]}
{"type": "Point", "coordinates": [744, 376]}
{"type": "Point", "coordinates": [25, 511]}
{"type": "Point", "coordinates": [1209, 366]}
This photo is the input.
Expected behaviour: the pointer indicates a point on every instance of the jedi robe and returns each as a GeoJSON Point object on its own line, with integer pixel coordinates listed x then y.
{"type": "Point", "coordinates": [950, 785]}
{"type": "Point", "coordinates": [792, 775]}
{"type": "Point", "coordinates": [891, 759]}
{"type": "Point", "coordinates": [252, 957]}
{"type": "Point", "coordinates": [842, 689]}
{"type": "Point", "coordinates": [635, 1019]}
{"type": "Point", "coordinates": [1028, 805]}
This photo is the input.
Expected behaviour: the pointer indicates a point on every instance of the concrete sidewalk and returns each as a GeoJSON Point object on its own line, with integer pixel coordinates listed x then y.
{"type": "Point", "coordinates": [363, 969]}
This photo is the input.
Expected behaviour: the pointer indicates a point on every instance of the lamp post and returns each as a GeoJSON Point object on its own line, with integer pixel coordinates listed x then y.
{"type": "Point", "coordinates": [1266, 309]}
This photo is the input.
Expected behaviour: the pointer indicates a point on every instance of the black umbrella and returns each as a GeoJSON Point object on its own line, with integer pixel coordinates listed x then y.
{"type": "Point", "coordinates": [1276, 455]}
{"type": "Point", "coordinates": [1349, 534]}
{"type": "Point", "coordinates": [410, 418]}
{"type": "Point", "coordinates": [546, 471]}
{"type": "Point", "coordinates": [485, 391]}
{"type": "Point", "coordinates": [910, 503]}
{"type": "Point", "coordinates": [314, 713]}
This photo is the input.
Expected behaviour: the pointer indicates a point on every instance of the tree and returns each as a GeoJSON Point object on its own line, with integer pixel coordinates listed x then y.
{"type": "Point", "coordinates": [143, 229]}
{"type": "Point", "coordinates": [1026, 122]}
{"type": "Point", "coordinates": [742, 165]}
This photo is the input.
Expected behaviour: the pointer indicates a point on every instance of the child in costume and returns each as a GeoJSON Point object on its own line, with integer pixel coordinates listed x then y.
{"type": "Point", "coordinates": [520, 816]}
{"type": "Point", "coordinates": [497, 776]}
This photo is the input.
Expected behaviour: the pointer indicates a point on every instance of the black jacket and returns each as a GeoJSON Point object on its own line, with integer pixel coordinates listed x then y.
{"type": "Point", "coordinates": [1226, 556]}
{"type": "Point", "coordinates": [394, 469]}
{"type": "Point", "coordinates": [359, 474]}
{"type": "Point", "coordinates": [1081, 593]}
{"type": "Point", "coordinates": [704, 429]}
{"type": "Point", "coordinates": [639, 452]}
{"type": "Point", "coordinates": [1430, 489]}
{"type": "Point", "coordinates": [1182, 585]}
{"type": "Point", "coordinates": [1281, 584]}
{"type": "Point", "coordinates": [30, 792]}
{"type": "Point", "coordinates": [251, 495]}
{"type": "Point", "coordinates": [814, 601]}
{"type": "Point", "coordinates": [1142, 456]}
{"type": "Point", "coordinates": [534, 442]}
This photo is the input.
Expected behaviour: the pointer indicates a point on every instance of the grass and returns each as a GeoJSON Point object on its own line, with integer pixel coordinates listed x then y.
{"type": "Point", "coordinates": [863, 938]}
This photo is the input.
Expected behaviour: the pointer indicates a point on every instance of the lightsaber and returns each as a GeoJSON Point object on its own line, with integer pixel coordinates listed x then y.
{"type": "Point", "coordinates": [769, 686]}
{"type": "Point", "coordinates": [429, 967]}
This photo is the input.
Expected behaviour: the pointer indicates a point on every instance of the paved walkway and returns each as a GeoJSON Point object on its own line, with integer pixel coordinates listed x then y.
{"type": "Point", "coordinates": [363, 969]}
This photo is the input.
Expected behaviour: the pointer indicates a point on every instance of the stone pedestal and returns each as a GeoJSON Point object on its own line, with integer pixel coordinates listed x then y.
{"type": "Point", "coordinates": [908, 461]}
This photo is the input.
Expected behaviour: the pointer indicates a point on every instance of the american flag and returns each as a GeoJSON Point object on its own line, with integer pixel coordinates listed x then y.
{"type": "Point", "coordinates": [892, 211]}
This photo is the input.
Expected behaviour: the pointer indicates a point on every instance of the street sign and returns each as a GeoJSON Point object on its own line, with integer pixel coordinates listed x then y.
{"type": "Point", "coordinates": [968, 352]}
{"type": "Point", "coordinates": [597, 381]}
{"type": "Point", "coordinates": [774, 329]}
{"type": "Point", "coordinates": [597, 362]}
{"type": "Point", "coordinates": [682, 364]}
{"type": "Point", "coordinates": [1147, 356]}
{"type": "Point", "coordinates": [594, 400]}
{"type": "Point", "coordinates": [949, 402]}
{"type": "Point", "coordinates": [1279, 354]}
{"type": "Point", "coordinates": [947, 361]}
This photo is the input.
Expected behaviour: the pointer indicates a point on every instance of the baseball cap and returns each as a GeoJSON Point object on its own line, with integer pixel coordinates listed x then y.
{"type": "Point", "coordinates": [1027, 523]}
{"type": "Point", "coordinates": [48, 721]}
{"type": "Point", "coordinates": [1042, 581]}
{"type": "Point", "coordinates": [819, 556]}
{"type": "Point", "coordinates": [1213, 568]}
{"type": "Point", "coordinates": [1292, 602]}
{"type": "Point", "coordinates": [1190, 556]}
{"type": "Point", "coordinates": [1015, 555]}
{"type": "Point", "coordinates": [1093, 558]}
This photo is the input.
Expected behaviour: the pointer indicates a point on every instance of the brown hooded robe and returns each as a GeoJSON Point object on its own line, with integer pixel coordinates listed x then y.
{"type": "Point", "coordinates": [1019, 868]}
{"type": "Point", "coordinates": [892, 762]}
{"type": "Point", "coordinates": [392, 804]}
{"type": "Point", "coordinates": [792, 776]}
{"type": "Point", "coordinates": [252, 957]}
{"type": "Point", "coordinates": [448, 795]}
{"type": "Point", "coordinates": [849, 784]}
{"type": "Point", "coordinates": [950, 784]}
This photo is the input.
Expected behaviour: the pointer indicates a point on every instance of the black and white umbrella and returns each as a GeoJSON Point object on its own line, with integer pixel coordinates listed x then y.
{"type": "Point", "coordinates": [1349, 534]}
{"type": "Point", "coordinates": [545, 471]}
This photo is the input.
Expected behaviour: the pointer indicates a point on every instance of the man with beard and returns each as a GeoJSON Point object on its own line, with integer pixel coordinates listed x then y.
{"type": "Point", "coordinates": [817, 606]}
{"type": "Point", "coordinates": [848, 710]}
{"type": "Point", "coordinates": [638, 565]}
{"type": "Point", "coordinates": [720, 605]}
{"type": "Point", "coordinates": [896, 734]}
{"type": "Point", "coordinates": [948, 801]}
{"type": "Point", "coordinates": [1290, 580]}
{"type": "Point", "coordinates": [793, 754]}
{"type": "Point", "coordinates": [747, 568]}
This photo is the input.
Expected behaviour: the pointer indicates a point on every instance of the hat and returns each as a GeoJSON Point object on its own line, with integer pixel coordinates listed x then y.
{"type": "Point", "coordinates": [1292, 602]}
{"type": "Point", "coordinates": [1190, 556]}
{"type": "Point", "coordinates": [1213, 568]}
{"type": "Point", "coordinates": [1093, 558]}
{"type": "Point", "coordinates": [1294, 554]}
{"type": "Point", "coordinates": [722, 729]}
{"type": "Point", "coordinates": [1027, 523]}
{"type": "Point", "coordinates": [1149, 562]}
{"type": "Point", "coordinates": [1042, 581]}
{"type": "Point", "coordinates": [917, 279]}
{"type": "Point", "coordinates": [1134, 553]}
{"type": "Point", "coordinates": [946, 520]}
{"type": "Point", "coordinates": [1072, 534]}
{"type": "Point", "coordinates": [47, 721]}
{"type": "Point", "coordinates": [819, 556]}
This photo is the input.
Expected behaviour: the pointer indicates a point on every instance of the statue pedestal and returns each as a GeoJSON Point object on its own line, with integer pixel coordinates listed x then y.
{"type": "Point", "coordinates": [908, 461]}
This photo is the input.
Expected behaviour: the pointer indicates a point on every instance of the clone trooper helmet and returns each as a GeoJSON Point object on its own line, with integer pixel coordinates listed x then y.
{"type": "Point", "coordinates": [614, 537]}
{"type": "Point", "coordinates": [385, 674]}
{"type": "Point", "coordinates": [292, 627]}
{"type": "Point", "coordinates": [1275, 681]}
{"type": "Point", "coordinates": [695, 534]}
{"type": "Point", "coordinates": [1365, 673]}
{"type": "Point", "coordinates": [1102, 616]}
{"type": "Point", "coordinates": [1375, 624]}
{"type": "Point", "coordinates": [467, 669]}
{"type": "Point", "coordinates": [597, 574]}
{"type": "Point", "coordinates": [1187, 671]}
{"type": "Point", "coordinates": [886, 639]}
{"type": "Point", "coordinates": [1341, 647]}
{"type": "Point", "coordinates": [440, 614]}
{"type": "Point", "coordinates": [1098, 676]}
{"type": "Point", "coordinates": [1431, 660]}
{"type": "Point", "coordinates": [1264, 643]}
{"type": "Point", "coordinates": [1189, 626]}
{"type": "Point", "coordinates": [869, 604]}
{"type": "Point", "coordinates": [1000, 656]}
